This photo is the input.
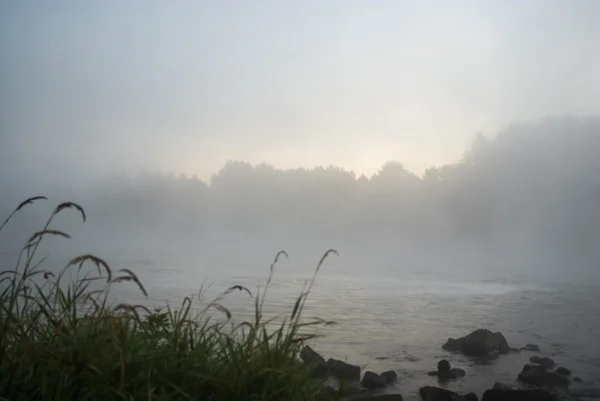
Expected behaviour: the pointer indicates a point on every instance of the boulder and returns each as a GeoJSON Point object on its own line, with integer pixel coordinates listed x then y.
{"type": "Point", "coordinates": [563, 371]}
{"type": "Point", "coordinates": [517, 395]}
{"type": "Point", "coordinates": [577, 379]}
{"type": "Point", "coordinates": [443, 366]}
{"type": "Point", "coordinates": [481, 342]}
{"type": "Point", "coordinates": [390, 376]}
{"type": "Point", "coordinates": [343, 370]}
{"type": "Point", "coordinates": [531, 347]}
{"type": "Point", "coordinates": [372, 380]}
{"type": "Point", "coordinates": [429, 393]}
{"type": "Point", "coordinates": [539, 376]}
{"type": "Point", "coordinates": [458, 372]}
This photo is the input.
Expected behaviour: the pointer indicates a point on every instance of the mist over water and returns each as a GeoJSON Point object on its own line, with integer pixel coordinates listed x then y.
{"type": "Point", "coordinates": [504, 239]}
{"type": "Point", "coordinates": [202, 139]}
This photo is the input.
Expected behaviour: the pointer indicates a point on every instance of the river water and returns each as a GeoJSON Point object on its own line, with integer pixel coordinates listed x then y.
{"type": "Point", "coordinates": [399, 321]}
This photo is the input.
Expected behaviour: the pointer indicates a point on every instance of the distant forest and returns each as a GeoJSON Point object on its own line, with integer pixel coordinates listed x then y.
{"type": "Point", "coordinates": [537, 185]}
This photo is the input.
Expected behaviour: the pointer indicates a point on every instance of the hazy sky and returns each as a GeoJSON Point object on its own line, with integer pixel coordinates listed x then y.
{"type": "Point", "coordinates": [185, 86]}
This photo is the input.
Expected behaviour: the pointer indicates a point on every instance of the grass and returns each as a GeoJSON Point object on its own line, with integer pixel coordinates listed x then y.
{"type": "Point", "coordinates": [61, 338]}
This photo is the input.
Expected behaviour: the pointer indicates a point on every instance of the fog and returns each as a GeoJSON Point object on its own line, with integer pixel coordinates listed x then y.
{"type": "Point", "coordinates": [225, 133]}
{"type": "Point", "coordinates": [524, 200]}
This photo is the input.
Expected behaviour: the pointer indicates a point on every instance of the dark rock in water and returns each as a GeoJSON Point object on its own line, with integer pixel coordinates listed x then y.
{"type": "Point", "coordinates": [547, 363]}
{"type": "Point", "coordinates": [443, 366]}
{"type": "Point", "coordinates": [481, 342]}
{"type": "Point", "coordinates": [531, 347]}
{"type": "Point", "coordinates": [320, 370]}
{"type": "Point", "coordinates": [429, 393]}
{"type": "Point", "coordinates": [390, 376]}
{"type": "Point", "coordinates": [577, 379]}
{"type": "Point", "coordinates": [502, 386]}
{"type": "Point", "coordinates": [517, 395]}
{"type": "Point", "coordinates": [372, 380]}
{"type": "Point", "coordinates": [538, 376]}
{"type": "Point", "coordinates": [381, 358]}
{"type": "Point", "coordinates": [343, 370]}
{"type": "Point", "coordinates": [451, 374]}
{"type": "Point", "coordinates": [535, 359]}
{"type": "Point", "coordinates": [381, 397]}
{"type": "Point", "coordinates": [309, 355]}
{"type": "Point", "coordinates": [532, 367]}
{"type": "Point", "coordinates": [563, 371]}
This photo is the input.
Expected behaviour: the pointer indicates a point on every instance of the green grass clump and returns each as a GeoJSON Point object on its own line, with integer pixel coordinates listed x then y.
{"type": "Point", "coordinates": [62, 339]}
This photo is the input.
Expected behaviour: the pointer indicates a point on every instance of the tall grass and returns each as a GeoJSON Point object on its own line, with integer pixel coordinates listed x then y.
{"type": "Point", "coordinates": [61, 338]}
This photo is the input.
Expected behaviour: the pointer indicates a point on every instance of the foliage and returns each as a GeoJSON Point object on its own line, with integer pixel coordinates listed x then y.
{"type": "Point", "coordinates": [62, 339]}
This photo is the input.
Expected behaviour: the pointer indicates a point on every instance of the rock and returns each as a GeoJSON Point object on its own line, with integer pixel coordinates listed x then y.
{"type": "Point", "coordinates": [563, 371]}
{"type": "Point", "coordinates": [532, 367]}
{"type": "Point", "coordinates": [481, 342]}
{"type": "Point", "coordinates": [429, 393]}
{"type": "Point", "coordinates": [433, 373]}
{"type": "Point", "coordinates": [309, 355]}
{"type": "Point", "coordinates": [372, 380]}
{"type": "Point", "coordinates": [458, 372]}
{"type": "Point", "coordinates": [381, 397]}
{"type": "Point", "coordinates": [443, 366]}
{"type": "Point", "coordinates": [531, 347]}
{"type": "Point", "coordinates": [320, 370]}
{"type": "Point", "coordinates": [390, 376]}
{"type": "Point", "coordinates": [577, 379]}
{"type": "Point", "coordinates": [535, 359]}
{"type": "Point", "coordinates": [517, 395]}
{"type": "Point", "coordinates": [343, 370]}
{"type": "Point", "coordinates": [538, 376]}
{"type": "Point", "coordinates": [502, 386]}
{"type": "Point", "coordinates": [547, 362]}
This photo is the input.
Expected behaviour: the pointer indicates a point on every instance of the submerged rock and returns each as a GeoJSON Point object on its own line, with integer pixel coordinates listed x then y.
{"type": "Point", "coordinates": [429, 393]}
{"type": "Point", "coordinates": [343, 370]}
{"type": "Point", "coordinates": [372, 380]}
{"type": "Point", "coordinates": [531, 347]}
{"type": "Point", "coordinates": [481, 342]}
{"type": "Point", "coordinates": [539, 376]}
{"type": "Point", "coordinates": [517, 395]}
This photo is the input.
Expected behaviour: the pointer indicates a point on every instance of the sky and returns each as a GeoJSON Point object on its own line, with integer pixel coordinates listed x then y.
{"type": "Point", "coordinates": [93, 87]}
